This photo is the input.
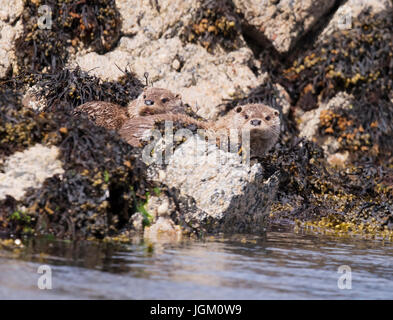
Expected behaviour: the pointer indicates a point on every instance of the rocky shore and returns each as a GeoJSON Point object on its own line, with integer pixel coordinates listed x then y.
{"type": "Point", "coordinates": [327, 66]}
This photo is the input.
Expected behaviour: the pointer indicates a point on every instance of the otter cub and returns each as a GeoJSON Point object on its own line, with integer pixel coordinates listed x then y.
{"type": "Point", "coordinates": [262, 121]}
{"type": "Point", "coordinates": [112, 116]}
{"type": "Point", "coordinates": [155, 101]}
{"type": "Point", "coordinates": [104, 114]}
{"type": "Point", "coordinates": [134, 129]}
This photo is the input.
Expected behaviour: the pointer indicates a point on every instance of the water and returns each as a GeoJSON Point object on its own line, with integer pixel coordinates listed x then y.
{"type": "Point", "coordinates": [282, 265]}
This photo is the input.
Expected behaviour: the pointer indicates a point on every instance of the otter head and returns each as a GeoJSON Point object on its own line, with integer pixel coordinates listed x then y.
{"type": "Point", "coordinates": [262, 121]}
{"type": "Point", "coordinates": [155, 101]}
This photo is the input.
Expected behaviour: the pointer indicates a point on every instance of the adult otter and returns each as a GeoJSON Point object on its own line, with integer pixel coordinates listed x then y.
{"type": "Point", "coordinates": [262, 122]}
{"type": "Point", "coordinates": [112, 116]}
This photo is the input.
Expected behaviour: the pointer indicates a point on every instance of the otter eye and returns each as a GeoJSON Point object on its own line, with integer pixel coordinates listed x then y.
{"type": "Point", "coordinates": [267, 118]}
{"type": "Point", "coordinates": [239, 109]}
{"type": "Point", "coordinates": [245, 116]}
{"type": "Point", "coordinates": [164, 100]}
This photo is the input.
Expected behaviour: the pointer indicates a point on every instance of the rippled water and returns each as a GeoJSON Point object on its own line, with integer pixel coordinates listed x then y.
{"type": "Point", "coordinates": [282, 265]}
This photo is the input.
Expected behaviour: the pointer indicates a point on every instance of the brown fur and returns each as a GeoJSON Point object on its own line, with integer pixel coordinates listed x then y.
{"type": "Point", "coordinates": [134, 129]}
{"type": "Point", "coordinates": [155, 101]}
{"type": "Point", "coordinates": [262, 121]}
{"type": "Point", "coordinates": [105, 114]}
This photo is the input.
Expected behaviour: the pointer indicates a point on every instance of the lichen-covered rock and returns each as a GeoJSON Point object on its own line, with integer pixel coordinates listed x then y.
{"type": "Point", "coordinates": [28, 169]}
{"type": "Point", "coordinates": [281, 23]}
{"type": "Point", "coordinates": [228, 195]}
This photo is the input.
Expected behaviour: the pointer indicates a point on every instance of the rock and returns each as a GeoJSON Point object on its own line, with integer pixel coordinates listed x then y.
{"type": "Point", "coordinates": [154, 18]}
{"type": "Point", "coordinates": [309, 122]}
{"type": "Point", "coordinates": [204, 80]}
{"type": "Point", "coordinates": [28, 169]}
{"type": "Point", "coordinates": [8, 34]}
{"type": "Point", "coordinates": [226, 194]}
{"type": "Point", "coordinates": [11, 10]}
{"type": "Point", "coordinates": [31, 100]}
{"type": "Point", "coordinates": [137, 221]}
{"type": "Point", "coordinates": [163, 228]}
{"type": "Point", "coordinates": [350, 10]}
{"type": "Point", "coordinates": [282, 24]}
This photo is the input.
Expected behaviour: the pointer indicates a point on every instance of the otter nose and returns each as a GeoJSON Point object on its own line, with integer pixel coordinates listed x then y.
{"type": "Point", "coordinates": [149, 102]}
{"type": "Point", "coordinates": [255, 122]}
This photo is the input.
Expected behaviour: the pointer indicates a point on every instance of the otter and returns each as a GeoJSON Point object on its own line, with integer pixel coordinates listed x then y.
{"type": "Point", "coordinates": [112, 116]}
{"type": "Point", "coordinates": [262, 121]}
{"type": "Point", "coordinates": [104, 114]}
{"type": "Point", "coordinates": [155, 101]}
{"type": "Point", "coordinates": [134, 129]}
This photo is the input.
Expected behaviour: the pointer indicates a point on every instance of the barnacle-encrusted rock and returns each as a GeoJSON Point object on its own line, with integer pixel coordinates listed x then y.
{"type": "Point", "coordinates": [226, 194]}
{"type": "Point", "coordinates": [28, 169]}
{"type": "Point", "coordinates": [281, 23]}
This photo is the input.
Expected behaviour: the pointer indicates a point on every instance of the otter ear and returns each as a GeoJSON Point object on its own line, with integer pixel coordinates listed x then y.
{"type": "Point", "coordinates": [276, 113]}
{"type": "Point", "coordinates": [145, 89]}
{"type": "Point", "coordinates": [239, 109]}
{"type": "Point", "coordinates": [178, 95]}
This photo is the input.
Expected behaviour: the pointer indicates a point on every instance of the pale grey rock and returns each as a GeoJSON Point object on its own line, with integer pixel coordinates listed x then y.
{"type": "Point", "coordinates": [32, 101]}
{"type": "Point", "coordinates": [145, 17]}
{"type": "Point", "coordinates": [163, 228]}
{"type": "Point", "coordinates": [204, 80]}
{"type": "Point", "coordinates": [28, 169]}
{"type": "Point", "coordinates": [219, 191]}
{"type": "Point", "coordinates": [10, 10]}
{"type": "Point", "coordinates": [8, 34]}
{"type": "Point", "coordinates": [282, 23]}
{"type": "Point", "coordinates": [349, 11]}
{"type": "Point", "coordinates": [136, 221]}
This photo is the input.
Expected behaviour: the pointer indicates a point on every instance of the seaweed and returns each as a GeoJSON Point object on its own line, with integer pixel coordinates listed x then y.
{"type": "Point", "coordinates": [75, 23]}
{"type": "Point", "coordinates": [67, 89]}
{"type": "Point", "coordinates": [214, 23]}
{"type": "Point", "coordinates": [93, 198]}
{"type": "Point", "coordinates": [365, 129]}
{"type": "Point", "coordinates": [358, 61]}
{"type": "Point", "coordinates": [358, 199]}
